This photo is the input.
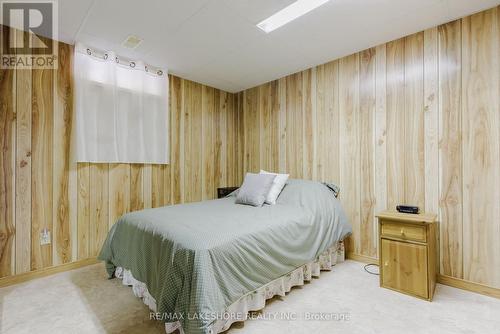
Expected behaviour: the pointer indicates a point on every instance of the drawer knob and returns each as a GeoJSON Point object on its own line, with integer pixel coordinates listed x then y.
{"type": "Point", "coordinates": [386, 263]}
{"type": "Point", "coordinates": [402, 231]}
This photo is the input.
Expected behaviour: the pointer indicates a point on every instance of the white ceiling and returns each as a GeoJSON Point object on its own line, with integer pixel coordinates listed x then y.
{"type": "Point", "coordinates": [216, 42]}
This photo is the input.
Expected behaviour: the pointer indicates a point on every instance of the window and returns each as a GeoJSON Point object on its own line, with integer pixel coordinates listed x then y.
{"type": "Point", "coordinates": [121, 109]}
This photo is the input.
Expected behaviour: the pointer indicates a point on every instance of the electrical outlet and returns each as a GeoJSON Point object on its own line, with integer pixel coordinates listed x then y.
{"type": "Point", "coordinates": [45, 237]}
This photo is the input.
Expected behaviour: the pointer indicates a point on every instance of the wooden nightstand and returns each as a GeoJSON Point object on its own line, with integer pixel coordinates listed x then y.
{"type": "Point", "coordinates": [223, 192]}
{"type": "Point", "coordinates": [407, 253]}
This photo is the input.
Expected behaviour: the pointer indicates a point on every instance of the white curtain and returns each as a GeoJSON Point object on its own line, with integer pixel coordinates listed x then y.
{"type": "Point", "coordinates": [121, 109]}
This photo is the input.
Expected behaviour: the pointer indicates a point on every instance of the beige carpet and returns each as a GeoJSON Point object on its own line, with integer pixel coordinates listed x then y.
{"type": "Point", "coordinates": [84, 301]}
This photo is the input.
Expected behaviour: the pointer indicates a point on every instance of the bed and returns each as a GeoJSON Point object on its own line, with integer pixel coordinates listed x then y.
{"type": "Point", "coordinates": [201, 266]}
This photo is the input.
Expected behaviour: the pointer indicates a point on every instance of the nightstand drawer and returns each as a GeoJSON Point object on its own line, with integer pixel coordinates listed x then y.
{"type": "Point", "coordinates": [404, 231]}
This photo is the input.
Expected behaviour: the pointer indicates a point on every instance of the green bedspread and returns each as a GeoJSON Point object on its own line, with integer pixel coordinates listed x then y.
{"type": "Point", "coordinates": [197, 259]}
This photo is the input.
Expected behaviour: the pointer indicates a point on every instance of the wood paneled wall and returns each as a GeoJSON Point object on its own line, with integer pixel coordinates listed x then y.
{"type": "Point", "coordinates": [416, 121]}
{"type": "Point", "coordinates": [40, 186]}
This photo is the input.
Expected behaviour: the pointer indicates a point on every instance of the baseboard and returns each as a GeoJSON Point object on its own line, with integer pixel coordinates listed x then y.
{"type": "Point", "coordinates": [469, 286]}
{"type": "Point", "coordinates": [20, 278]}
{"type": "Point", "coordinates": [362, 258]}
{"type": "Point", "coordinates": [442, 279]}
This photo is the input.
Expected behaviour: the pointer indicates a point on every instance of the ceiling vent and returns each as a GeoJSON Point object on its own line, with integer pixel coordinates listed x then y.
{"type": "Point", "coordinates": [132, 42]}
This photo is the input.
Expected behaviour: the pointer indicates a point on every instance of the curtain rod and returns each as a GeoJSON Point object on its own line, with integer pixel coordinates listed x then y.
{"type": "Point", "coordinates": [118, 59]}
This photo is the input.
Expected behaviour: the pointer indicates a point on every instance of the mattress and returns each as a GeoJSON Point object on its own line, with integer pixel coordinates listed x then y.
{"type": "Point", "coordinates": [197, 259]}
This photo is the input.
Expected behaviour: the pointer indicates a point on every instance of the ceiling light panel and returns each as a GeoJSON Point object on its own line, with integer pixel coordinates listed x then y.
{"type": "Point", "coordinates": [289, 13]}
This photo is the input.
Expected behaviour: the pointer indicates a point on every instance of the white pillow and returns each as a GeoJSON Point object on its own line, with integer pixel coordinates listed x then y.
{"type": "Point", "coordinates": [278, 184]}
